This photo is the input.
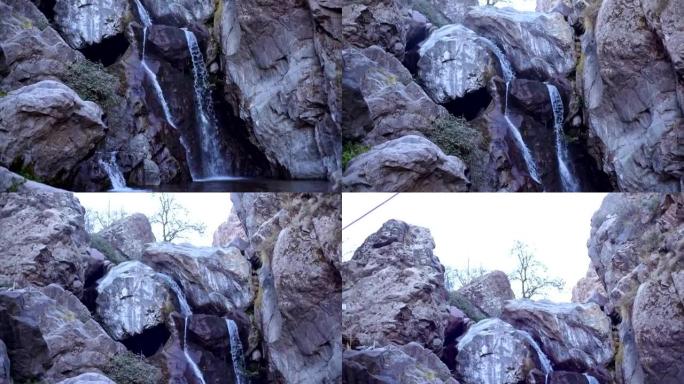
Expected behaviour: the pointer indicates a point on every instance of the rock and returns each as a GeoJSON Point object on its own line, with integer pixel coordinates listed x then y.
{"type": "Point", "coordinates": [88, 378]}
{"type": "Point", "coordinates": [408, 164]}
{"type": "Point", "coordinates": [407, 364]}
{"type": "Point", "coordinates": [538, 45]}
{"type": "Point", "coordinates": [380, 99]}
{"type": "Point", "coordinates": [453, 11]}
{"type": "Point", "coordinates": [46, 129]}
{"type": "Point", "coordinates": [255, 209]}
{"type": "Point", "coordinates": [457, 324]}
{"type": "Point", "coordinates": [214, 280]}
{"type": "Point", "coordinates": [132, 299]}
{"type": "Point", "coordinates": [589, 289]}
{"type": "Point", "coordinates": [4, 365]}
{"type": "Point", "coordinates": [87, 23]}
{"type": "Point", "coordinates": [666, 18]}
{"type": "Point", "coordinates": [43, 240]}
{"type": "Point", "coordinates": [276, 83]}
{"type": "Point", "coordinates": [492, 351]}
{"type": "Point", "coordinates": [366, 23]}
{"type": "Point", "coordinates": [453, 62]}
{"type": "Point", "coordinates": [230, 231]}
{"type": "Point", "coordinates": [146, 174]}
{"type": "Point", "coordinates": [575, 337]}
{"type": "Point", "coordinates": [394, 290]}
{"type": "Point", "coordinates": [129, 235]}
{"type": "Point", "coordinates": [51, 336]}
{"type": "Point", "coordinates": [180, 12]}
{"type": "Point", "coordinates": [631, 100]}
{"type": "Point", "coordinates": [300, 289]}
{"type": "Point", "coordinates": [564, 377]}
{"type": "Point", "coordinates": [489, 292]}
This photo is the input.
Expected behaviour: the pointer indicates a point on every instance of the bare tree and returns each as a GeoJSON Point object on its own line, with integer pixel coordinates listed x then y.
{"type": "Point", "coordinates": [456, 278]}
{"type": "Point", "coordinates": [98, 220]}
{"type": "Point", "coordinates": [493, 2]}
{"type": "Point", "coordinates": [532, 273]}
{"type": "Point", "coordinates": [173, 218]}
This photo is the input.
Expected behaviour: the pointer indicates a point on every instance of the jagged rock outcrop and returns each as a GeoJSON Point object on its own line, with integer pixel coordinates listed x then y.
{"type": "Point", "coordinates": [46, 129]}
{"type": "Point", "coordinates": [88, 378]}
{"type": "Point", "coordinates": [489, 292]}
{"type": "Point", "coordinates": [590, 289]}
{"type": "Point", "coordinates": [407, 164]}
{"type": "Point", "coordinates": [129, 235]}
{"type": "Point", "coordinates": [573, 336]}
{"type": "Point", "coordinates": [43, 240]}
{"type": "Point", "coordinates": [215, 280]}
{"type": "Point", "coordinates": [87, 23]}
{"type": "Point", "coordinates": [230, 232]}
{"type": "Point", "coordinates": [453, 62]}
{"type": "Point", "coordinates": [407, 364]}
{"type": "Point", "coordinates": [492, 351]}
{"type": "Point", "coordinates": [132, 299]}
{"type": "Point", "coordinates": [180, 12]}
{"type": "Point", "coordinates": [50, 335]}
{"type": "Point", "coordinates": [445, 11]}
{"type": "Point", "coordinates": [4, 365]}
{"type": "Point", "coordinates": [381, 23]}
{"type": "Point", "coordinates": [636, 246]}
{"type": "Point", "coordinates": [394, 290]}
{"type": "Point", "coordinates": [538, 45]}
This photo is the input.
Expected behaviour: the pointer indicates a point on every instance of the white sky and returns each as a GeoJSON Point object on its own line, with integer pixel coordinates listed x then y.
{"type": "Point", "coordinates": [483, 227]}
{"type": "Point", "coordinates": [209, 208]}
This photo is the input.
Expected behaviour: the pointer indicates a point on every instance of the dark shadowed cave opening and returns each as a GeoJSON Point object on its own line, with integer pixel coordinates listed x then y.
{"type": "Point", "coordinates": [148, 342]}
{"type": "Point", "coordinates": [470, 105]}
{"type": "Point", "coordinates": [47, 7]}
{"type": "Point", "coordinates": [90, 287]}
{"type": "Point", "coordinates": [108, 51]}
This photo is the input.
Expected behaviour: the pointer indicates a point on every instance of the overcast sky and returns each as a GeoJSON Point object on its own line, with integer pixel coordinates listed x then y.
{"type": "Point", "coordinates": [211, 209]}
{"type": "Point", "coordinates": [483, 226]}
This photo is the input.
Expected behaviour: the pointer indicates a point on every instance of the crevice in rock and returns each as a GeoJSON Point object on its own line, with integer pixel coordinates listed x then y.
{"type": "Point", "coordinates": [47, 7]}
{"type": "Point", "coordinates": [90, 287]}
{"type": "Point", "coordinates": [470, 105]}
{"type": "Point", "coordinates": [108, 51]}
{"type": "Point", "coordinates": [148, 342]}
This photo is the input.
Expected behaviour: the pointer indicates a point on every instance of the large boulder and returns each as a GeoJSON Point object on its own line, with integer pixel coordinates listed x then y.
{"type": "Point", "coordinates": [407, 164]}
{"type": "Point", "coordinates": [538, 45]}
{"type": "Point", "coordinates": [131, 299]}
{"type": "Point", "coordinates": [4, 365]}
{"type": "Point", "coordinates": [88, 378]}
{"type": "Point", "coordinates": [129, 235]}
{"type": "Point", "coordinates": [630, 96]}
{"type": "Point", "coordinates": [575, 337]}
{"type": "Point", "coordinates": [489, 292]}
{"type": "Point", "coordinates": [215, 280]}
{"type": "Point", "coordinates": [50, 335]}
{"type": "Point", "coordinates": [230, 232]}
{"type": "Point", "coordinates": [453, 62]}
{"type": "Point", "coordinates": [406, 364]}
{"type": "Point", "coordinates": [180, 12]}
{"type": "Point", "coordinates": [589, 289]}
{"type": "Point", "coordinates": [43, 240]}
{"type": "Point", "coordinates": [444, 11]}
{"type": "Point", "coordinates": [86, 23]}
{"type": "Point", "coordinates": [46, 129]}
{"type": "Point", "coordinates": [382, 23]}
{"type": "Point", "coordinates": [394, 289]}
{"type": "Point", "coordinates": [493, 352]}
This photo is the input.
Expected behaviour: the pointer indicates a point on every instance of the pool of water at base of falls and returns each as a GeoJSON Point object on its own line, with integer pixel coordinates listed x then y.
{"type": "Point", "coordinates": [240, 184]}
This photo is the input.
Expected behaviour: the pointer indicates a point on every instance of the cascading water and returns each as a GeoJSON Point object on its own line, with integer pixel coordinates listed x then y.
{"type": "Point", "coordinates": [509, 75]}
{"type": "Point", "coordinates": [236, 353]}
{"type": "Point", "coordinates": [213, 164]}
{"type": "Point", "coordinates": [568, 180]}
{"type": "Point", "coordinates": [186, 312]}
{"type": "Point", "coordinates": [546, 364]}
{"type": "Point", "coordinates": [591, 379]}
{"type": "Point", "coordinates": [116, 178]}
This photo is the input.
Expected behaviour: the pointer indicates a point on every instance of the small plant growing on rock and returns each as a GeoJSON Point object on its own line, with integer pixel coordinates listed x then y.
{"type": "Point", "coordinates": [351, 150]}
{"type": "Point", "coordinates": [128, 368]}
{"type": "Point", "coordinates": [102, 245]}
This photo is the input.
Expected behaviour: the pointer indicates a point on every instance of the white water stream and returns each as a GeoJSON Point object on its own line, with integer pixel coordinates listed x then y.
{"type": "Point", "coordinates": [568, 180]}
{"type": "Point", "coordinates": [236, 353]}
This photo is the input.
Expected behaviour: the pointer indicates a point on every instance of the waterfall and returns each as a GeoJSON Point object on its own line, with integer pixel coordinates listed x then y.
{"type": "Point", "coordinates": [568, 180]}
{"type": "Point", "coordinates": [195, 368]}
{"type": "Point", "coordinates": [116, 178]}
{"type": "Point", "coordinates": [236, 353]}
{"type": "Point", "coordinates": [509, 75]}
{"type": "Point", "coordinates": [546, 364]}
{"type": "Point", "coordinates": [213, 164]}
{"type": "Point", "coordinates": [591, 379]}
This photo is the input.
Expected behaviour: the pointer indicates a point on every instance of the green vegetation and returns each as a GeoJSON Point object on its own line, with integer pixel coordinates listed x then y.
{"type": "Point", "coordinates": [461, 302]}
{"type": "Point", "coordinates": [3, 93]}
{"type": "Point", "coordinates": [351, 150]}
{"type": "Point", "coordinates": [456, 137]}
{"type": "Point", "coordinates": [16, 184]}
{"type": "Point", "coordinates": [102, 245]}
{"type": "Point", "coordinates": [127, 368]}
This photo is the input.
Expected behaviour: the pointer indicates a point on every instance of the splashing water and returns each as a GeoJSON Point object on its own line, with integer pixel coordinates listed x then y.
{"type": "Point", "coordinates": [546, 364]}
{"type": "Point", "coordinates": [213, 164]}
{"type": "Point", "coordinates": [568, 180]}
{"type": "Point", "coordinates": [591, 379]}
{"type": "Point", "coordinates": [113, 171]}
{"type": "Point", "coordinates": [236, 353]}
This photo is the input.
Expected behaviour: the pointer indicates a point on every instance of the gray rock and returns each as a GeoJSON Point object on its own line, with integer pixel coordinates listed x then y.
{"type": "Point", "coordinates": [215, 280]}
{"type": "Point", "coordinates": [4, 365]}
{"type": "Point", "coordinates": [367, 22]}
{"type": "Point", "coordinates": [489, 292]}
{"type": "Point", "coordinates": [132, 299]}
{"type": "Point", "coordinates": [86, 23]}
{"type": "Point", "coordinates": [408, 164]}
{"type": "Point", "coordinates": [538, 45]}
{"type": "Point", "coordinates": [50, 335]}
{"type": "Point", "coordinates": [590, 289]}
{"type": "Point", "coordinates": [43, 240]}
{"type": "Point", "coordinates": [88, 378]}
{"type": "Point", "coordinates": [129, 235]}
{"type": "Point", "coordinates": [229, 231]}
{"type": "Point", "coordinates": [146, 174]}
{"type": "Point", "coordinates": [453, 63]}
{"type": "Point", "coordinates": [453, 10]}
{"type": "Point", "coordinates": [571, 335]}
{"type": "Point", "coordinates": [407, 364]}
{"type": "Point", "coordinates": [180, 12]}
{"type": "Point", "coordinates": [394, 290]}
{"type": "Point", "coordinates": [47, 129]}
